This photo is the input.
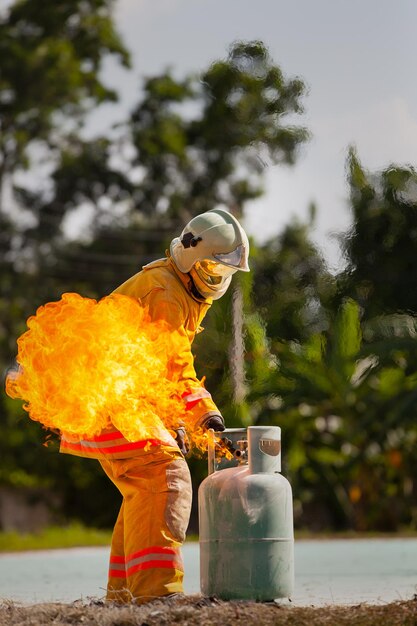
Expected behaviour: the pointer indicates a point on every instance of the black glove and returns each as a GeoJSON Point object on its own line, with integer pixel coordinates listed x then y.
{"type": "Point", "coordinates": [216, 422]}
{"type": "Point", "coordinates": [182, 441]}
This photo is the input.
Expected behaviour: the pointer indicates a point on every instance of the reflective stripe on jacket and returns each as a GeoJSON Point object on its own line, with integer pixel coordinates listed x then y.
{"type": "Point", "coordinates": [165, 292]}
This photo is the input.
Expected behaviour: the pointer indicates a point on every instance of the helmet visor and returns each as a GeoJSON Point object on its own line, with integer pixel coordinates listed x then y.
{"type": "Point", "coordinates": [236, 258]}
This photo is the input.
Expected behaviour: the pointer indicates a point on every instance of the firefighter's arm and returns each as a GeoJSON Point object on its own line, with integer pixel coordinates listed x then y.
{"type": "Point", "coordinates": [201, 411]}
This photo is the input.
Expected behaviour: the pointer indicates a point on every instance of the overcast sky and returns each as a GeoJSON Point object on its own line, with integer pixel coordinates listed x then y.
{"type": "Point", "coordinates": [358, 58]}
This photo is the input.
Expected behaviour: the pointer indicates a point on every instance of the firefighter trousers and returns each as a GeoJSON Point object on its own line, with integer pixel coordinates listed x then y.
{"type": "Point", "coordinates": [145, 558]}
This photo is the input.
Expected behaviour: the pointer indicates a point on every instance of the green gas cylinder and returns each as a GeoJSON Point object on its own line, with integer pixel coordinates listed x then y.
{"type": "Point", "coordinates": [246, 520]}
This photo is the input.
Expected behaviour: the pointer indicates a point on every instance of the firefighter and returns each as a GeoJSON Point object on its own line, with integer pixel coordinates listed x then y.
{"type": "Point", "coordinates": [152, 475]}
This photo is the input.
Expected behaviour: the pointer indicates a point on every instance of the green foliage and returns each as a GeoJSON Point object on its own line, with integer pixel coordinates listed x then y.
{"type": "Point", "coordinates": [193, 138]}
{"type": "Point", "coordinates": [71, 536]}
{"type": "Point", "coordinates": [348, 414]}
{"type": "Point", "coordinates": [50, 59]}
{"type": "Point", "coordinates": [245, 99]}
{"type": "Point", "coordinates": [381, 245]}
{"type": "Point", "coordinates": [50, 56]}
{"type": "Point", "coordinates": [290, 344]}
{"type": "Point", "coordinates": [173, 137]}
{"type": "Point", "coordinates": [292, 286]}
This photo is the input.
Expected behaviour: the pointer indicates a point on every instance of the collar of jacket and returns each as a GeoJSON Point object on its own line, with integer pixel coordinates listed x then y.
{"type": "Point", "coordinates": [187, 281]}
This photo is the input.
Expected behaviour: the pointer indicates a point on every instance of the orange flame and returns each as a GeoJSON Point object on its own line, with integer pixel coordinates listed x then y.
{"type": "Point", "coordinates": [85, 364]}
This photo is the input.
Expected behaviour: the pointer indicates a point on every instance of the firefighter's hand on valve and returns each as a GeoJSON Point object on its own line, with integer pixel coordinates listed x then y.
{"type": "Point", "coordinates": [182, 441]}
{"type": "Point", "coordinates": [216, 422]}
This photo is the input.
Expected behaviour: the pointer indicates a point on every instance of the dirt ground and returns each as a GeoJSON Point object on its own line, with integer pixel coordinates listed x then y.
{"type": "Point", "coordinates": [199, 611]}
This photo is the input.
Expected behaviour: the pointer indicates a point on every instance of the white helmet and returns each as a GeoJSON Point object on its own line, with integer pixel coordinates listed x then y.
{"type": "Point", "coordinates": [212, 247]}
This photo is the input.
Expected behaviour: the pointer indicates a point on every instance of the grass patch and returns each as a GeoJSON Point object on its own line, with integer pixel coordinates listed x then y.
{"type": "Point", "coordinates": [71, 536]}
{"type": "Point", "coordinates": [76, 535]}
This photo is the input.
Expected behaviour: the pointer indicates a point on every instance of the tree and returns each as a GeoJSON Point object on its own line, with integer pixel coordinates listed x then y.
{"type": "Point", "coordinates": [381, 246]}
{"type": "Point", "coordinates": [50, 60]}
{"type": "Point", "coordinates": [292, 287]}
{"type": "Point", "coordinates": [195, 143]}
{"type": "Point", "coordinates": [348, 413]}
{"type": "Point", "coordinates": [212, 154]}
{"type": "Point", "coordinates": [200, 142]}
{"type": "Point", "coordinates": [189, 146]}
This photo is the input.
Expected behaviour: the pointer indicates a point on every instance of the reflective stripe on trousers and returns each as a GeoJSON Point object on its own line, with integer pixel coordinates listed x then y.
{"type": "Point", "coordinates": [145, 560]}
{"type": "Point", "coordinates": [153, 557]}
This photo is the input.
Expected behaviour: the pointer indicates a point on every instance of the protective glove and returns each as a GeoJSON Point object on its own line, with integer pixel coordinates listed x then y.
{"type": "Point", "coordinates": [216, 422]}
{"type": "Point", "coordinates": [182, 441]}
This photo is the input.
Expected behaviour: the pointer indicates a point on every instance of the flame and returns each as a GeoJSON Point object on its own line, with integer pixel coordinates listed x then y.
{"type": "Point", "coordinates": [87, 364]}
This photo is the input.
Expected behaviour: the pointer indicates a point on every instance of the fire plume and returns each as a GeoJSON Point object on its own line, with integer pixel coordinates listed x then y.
{"type": "Point", "coordinates": [87, 364]}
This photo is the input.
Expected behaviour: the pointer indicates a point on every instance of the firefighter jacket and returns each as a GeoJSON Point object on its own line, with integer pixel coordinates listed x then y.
{"type": "Point", "coordinates": [168, 294]}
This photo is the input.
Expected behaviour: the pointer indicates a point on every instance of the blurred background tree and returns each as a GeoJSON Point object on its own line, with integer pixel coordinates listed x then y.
{"type": "Point", "coordinates": [348, 406]}
{"type": "Point", "coordinates": [380, 247]}
{"type": "Point", "coordinates": [51, 56]}
{"type": "Point", "coordinates": [50, 62]}
{"type": "Point", "coordinates": [330, 358]}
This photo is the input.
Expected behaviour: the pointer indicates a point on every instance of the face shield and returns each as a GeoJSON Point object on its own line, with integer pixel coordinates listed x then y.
{"type": "Point", "coordinates": [236, 259]}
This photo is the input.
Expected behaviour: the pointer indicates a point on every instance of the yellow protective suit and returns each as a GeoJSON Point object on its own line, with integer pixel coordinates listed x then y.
{"type": "Point", "coordinates": [145, 560]}
{"type": "Point", "coordinates": [167, 294]}
{"type": "Point", "coordinates": [152, 475]}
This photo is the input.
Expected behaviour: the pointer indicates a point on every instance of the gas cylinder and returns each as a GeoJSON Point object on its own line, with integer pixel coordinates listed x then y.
{"type": "Point", "coordinates": [246, 520]}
